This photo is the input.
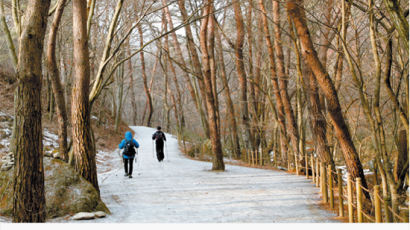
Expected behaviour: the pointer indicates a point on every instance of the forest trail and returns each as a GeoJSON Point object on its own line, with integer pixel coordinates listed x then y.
{"type": "Point", "coordinates": [185, 191]}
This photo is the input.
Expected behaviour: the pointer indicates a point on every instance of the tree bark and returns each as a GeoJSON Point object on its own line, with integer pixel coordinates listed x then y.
{"type": "Point", "coordinates": [178, 106]}
{"type": "Point", "coordinates": [196, 64]}
{"type": "Point", "coordinates": [351, 157]}
{"type": "Point", "coordinates": [9, 39]}
{"type": "Point", "coordinates": [29, 204]}
{"type": "Point", "coordinates": [318, 120]}
{"type": "Point", "coordinates": [240, 69]}
{"type": "Point", "coordinates": [227, 93]}
{"type": "Point", "coordinates": [217, 163]}
{"type": "Point", "coordinates": [83, 145]}
{"type": "Point", "coordinates": [144, 79]}
{"type": "Point", "coordinates": [132, 88]}
{"type": "Point", "coordinates": [279, 103]}
{"type": "Point", "coordinates": [282, 79]}
{"type": "Point", "coordinates": [56, 82]}
{"type": "Point", "coordinates": [399, 20]}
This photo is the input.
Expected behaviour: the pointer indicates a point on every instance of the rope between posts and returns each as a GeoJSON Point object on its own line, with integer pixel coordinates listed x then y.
{"type": "Point", "coordinates": [368, 217]}
{"type": "Point", "coordinates": [365, 189]}
{"type": "Point", "coordinates": [392, 211]}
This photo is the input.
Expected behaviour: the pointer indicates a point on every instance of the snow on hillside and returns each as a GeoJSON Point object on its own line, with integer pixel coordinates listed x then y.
{"type": "Point", "coordinates": [185, 191]}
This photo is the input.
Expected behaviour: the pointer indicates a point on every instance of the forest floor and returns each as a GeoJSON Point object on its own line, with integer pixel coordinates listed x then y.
{"type": "Point", "coordinates": [181, 190]}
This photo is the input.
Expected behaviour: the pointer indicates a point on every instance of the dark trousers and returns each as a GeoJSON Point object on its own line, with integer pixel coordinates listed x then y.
{"type": "Point", "coordinates": [160, 150]}
{"type": "Point", "coordinates": [128, 162]}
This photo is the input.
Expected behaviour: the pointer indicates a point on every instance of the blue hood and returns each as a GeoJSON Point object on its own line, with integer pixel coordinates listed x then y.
{"type": "Point", "coordinates": [128, 136]}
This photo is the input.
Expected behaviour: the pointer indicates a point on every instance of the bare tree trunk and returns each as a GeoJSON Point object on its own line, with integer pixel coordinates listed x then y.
{"type": "Point", "coordinates": [56, 82]}
{"type": "Point", "coordinates": [252, 102]}
{"type": "Point", "coordinates": [240, 69]}
{"type": "Point", "coordinates": [29, 204]}
{"type": "Point", "coordinates": [83, 145]}
{"type": "Point", "coordinates": [217, 163]}
{"type": "Point", "coordinates": [120, 95]}
{"type": "Point", "coordinates": [197, 69]}
{"type": "Point", "coordinates": [144, 78]}
{"type": "Point", "coordinates": [318, 120]}
{"type": "Point", "coordinates": [282, 79]}
{"type": "Point", "coordinates": [227, 92]}
{"type": "Point", "coordinates": [9, 39]}
{"type": "Point", "coordinates": [279, 103]}
{"type": "Point", "coordinates": [212, 66]}
{"type": "Point", "coordinates": [404, 117]}
{"type": "Point", "coordinates": [399, 20]}
{"type": "Point", "coordinates": [132, 88]}
{"type": "Point", "coordinates": [180, 119]}
{"type": "Point", "coordinates": [352, 160]}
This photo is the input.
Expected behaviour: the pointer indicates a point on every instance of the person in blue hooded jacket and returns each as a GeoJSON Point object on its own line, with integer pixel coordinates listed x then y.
{"type": "Point", "coordinates": [128, 144]}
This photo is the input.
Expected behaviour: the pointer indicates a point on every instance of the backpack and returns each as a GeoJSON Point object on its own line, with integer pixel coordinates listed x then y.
{"type": "Point", "coordinates": [160, 136]}
{"type": "Point", "coordinates": [129, 148]}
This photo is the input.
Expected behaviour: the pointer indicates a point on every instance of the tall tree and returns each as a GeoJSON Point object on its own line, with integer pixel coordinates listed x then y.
{"type": "Point", "coordinates": [282, 79]}
{"type": "Point", "coordinates": [354, 166]}
{"type": "Point", "coordinates": [217, 163]}
{"type": "Point", "coordinates": [83, 144]}
{"type": "Point", "coordinates": [272, 66]}
{"type": "Point", "coordinates": [227, 92]}
{"type": "Point", "coordinates": [29, 204]}
{"type": "Point", "coordinates": [240, 69]}
{"type": "Point", "coordinates": [54, 75]}
{"type": "Point", "coordinates": [144, 78]}
{"type": "Point", "coordinates": [196, 64]}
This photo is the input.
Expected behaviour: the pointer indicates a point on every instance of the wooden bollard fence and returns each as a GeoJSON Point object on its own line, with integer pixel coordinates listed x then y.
{"type": "Point", "coordinates": [306, 166]}
{"type": "Point", "coordinates": [323, 184]}
{"type": "Point", "coordinates": [330, 182]}
{"type": "Point", "coordinates": [349, 198]}
{"type": "Point", "coordinates": [313, 168]}
{"type": "Point", "coordinates": [377, 206]}
{"type": "Point", "coordinates": [359, 200]}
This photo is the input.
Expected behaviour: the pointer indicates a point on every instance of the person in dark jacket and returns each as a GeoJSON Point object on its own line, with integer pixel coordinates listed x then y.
{"type": "Point", "coordinates": [128, 144]}
{"type": "Point", "coordinates": [159, 138]}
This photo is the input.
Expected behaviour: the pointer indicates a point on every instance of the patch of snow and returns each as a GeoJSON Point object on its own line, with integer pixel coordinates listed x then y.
{"type": "Point", "coordinates": [49, 135]}
{"type": "Point", "coordinates": [7, 131]}
{"type": "Point", "coordinates": [50, 139]}
{"type": "Point", "coordinates": [94, 117]}
{"type": "Point", "coordinates": [100, 214]}
{"type": "Point", "coordinates": [345, 172]}
{"type": "Point", "coordinates": [83, 216]}
{"type": "Point", "coordinates": [232, 161]}
{"type": "Point", "coordinates": [5, 142]}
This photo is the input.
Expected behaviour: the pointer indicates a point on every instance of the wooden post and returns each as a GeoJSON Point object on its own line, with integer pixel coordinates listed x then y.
{"type": "Point", "coordinates": [297, 165]}
{"type": "Point", "coordinates": [359, 200]}
{"type": "Point", "coordinates": [350, 198]}
{"type": "Point", "coordinates": [323, 184]}
{"type": "Point", "coordinates": [321, 178]}
{"type": "Point", "coordinates": [313, 168]}
{"type": "Point", "coordinates": [340, 190]}
{"type": "Point", "coordinates": [377, 206]}
{"type": "Point", "coordinates": [317, 172]}
{"type": "Point", "coordinates": [307, 166]}
{"type": "Point", "coordinates": [325, 195]}
{"type": "Point", "coordinates": [386, 202]}
{"type": "Point", "coordinates": [330, 182]}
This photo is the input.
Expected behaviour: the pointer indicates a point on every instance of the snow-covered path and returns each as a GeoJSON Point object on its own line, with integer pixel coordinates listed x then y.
{"type": "Point", "coordinates": [185, 191]}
